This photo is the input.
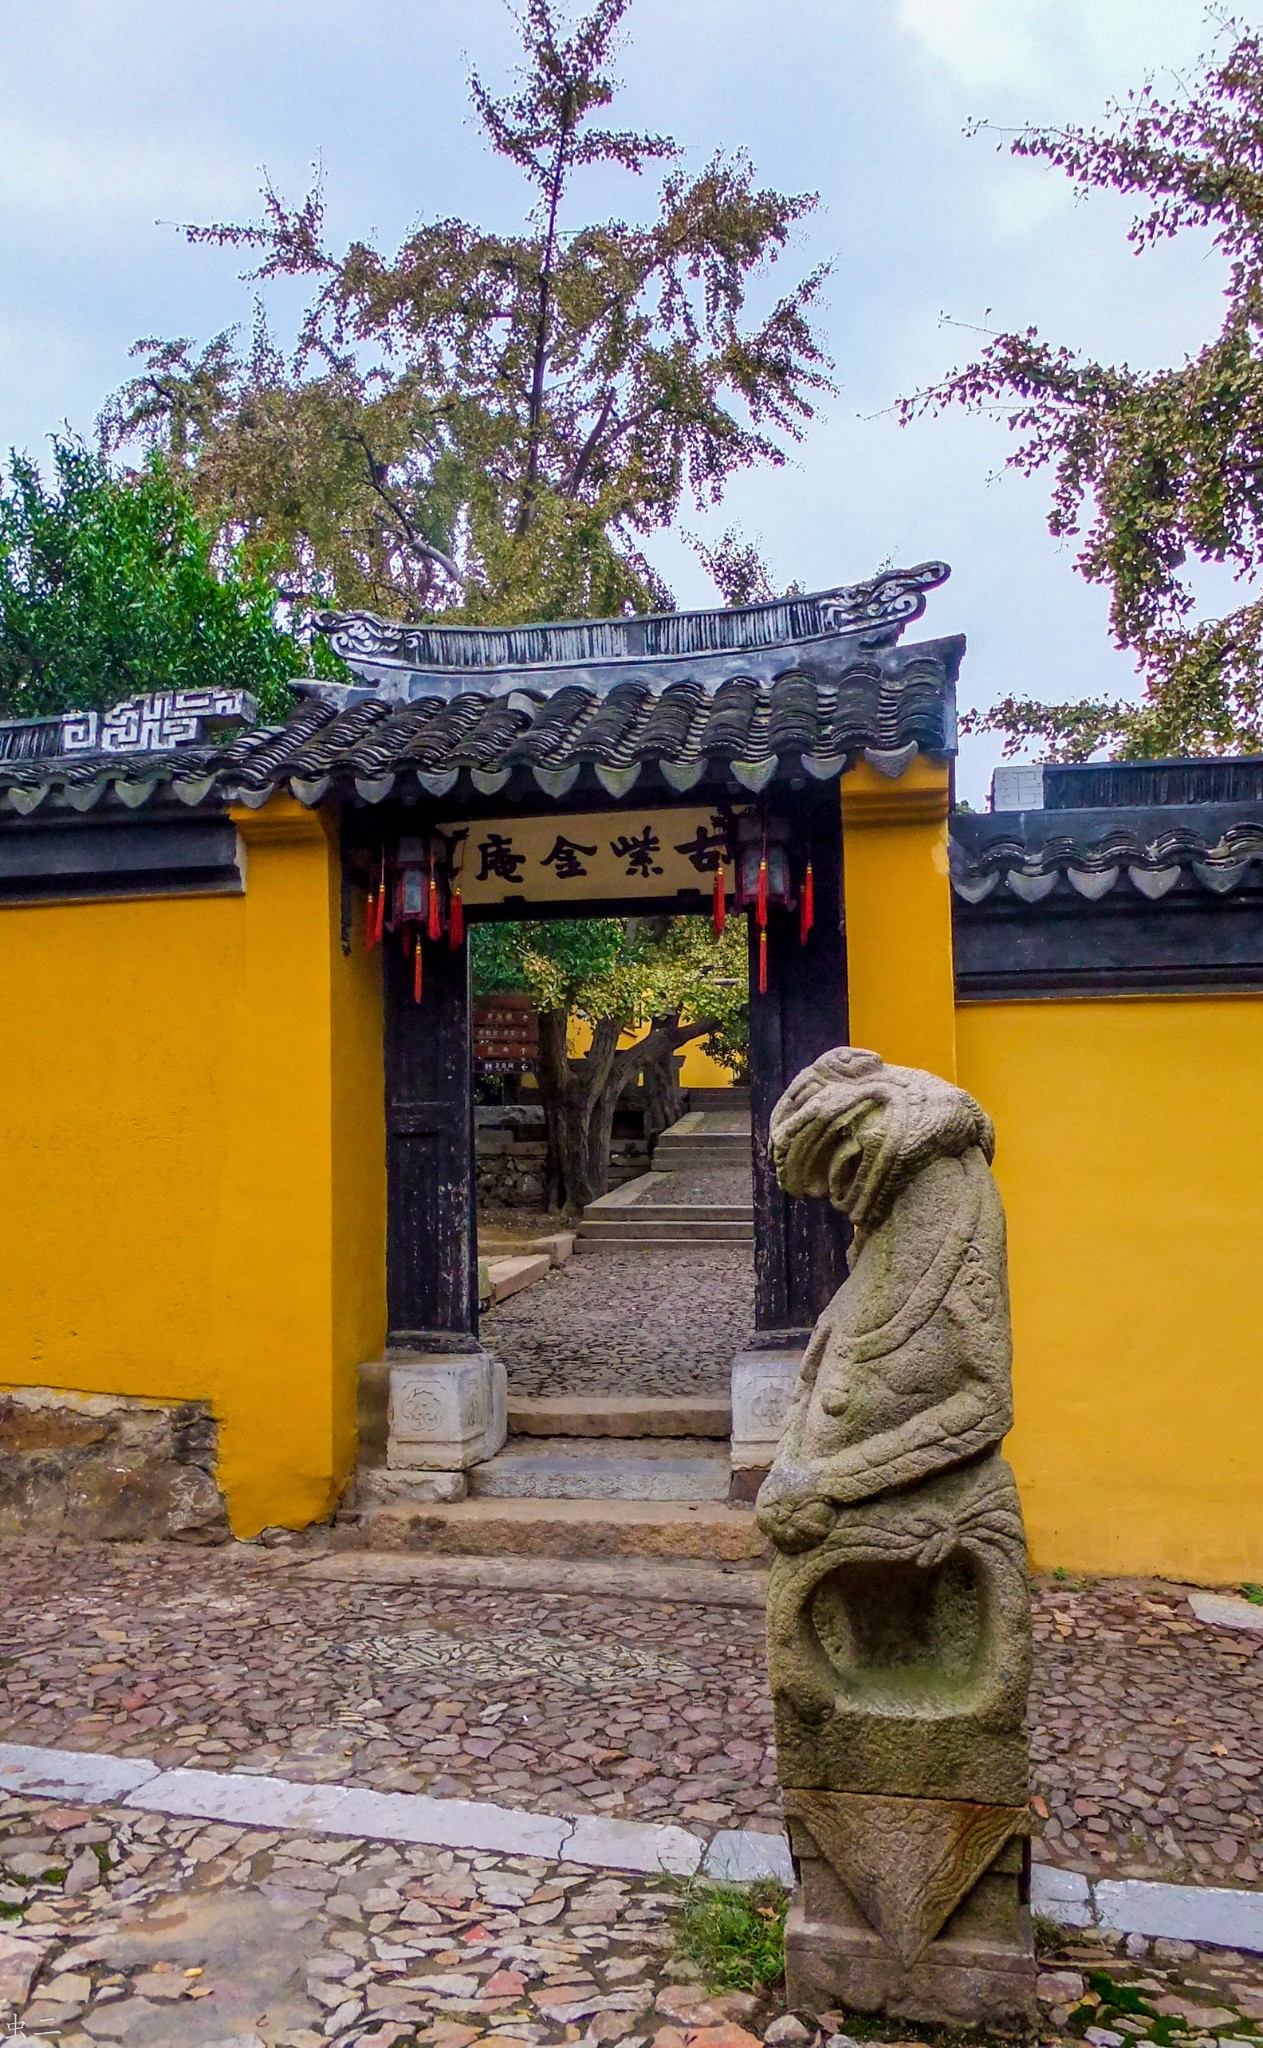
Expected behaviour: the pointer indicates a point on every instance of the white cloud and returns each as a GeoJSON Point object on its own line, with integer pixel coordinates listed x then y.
{"type": "Point", "coordinates": [81, 179]}
{"type": "Point", "coordinates": [1054, 51]}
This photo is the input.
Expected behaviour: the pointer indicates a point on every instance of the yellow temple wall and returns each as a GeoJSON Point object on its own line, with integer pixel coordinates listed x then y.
{"type": "Point", "coordinates": [192, 1161]}
{"type": "Point", "coordinates": [1128, 1157]}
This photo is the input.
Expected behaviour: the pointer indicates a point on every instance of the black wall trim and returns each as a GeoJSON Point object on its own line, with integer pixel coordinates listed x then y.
{"type": "Point", "coordinates": [1185, 944]}
{"type": "Point", "coordinates": [192, 856]}
{"type": "Point", "coordinates": [1091, 785]}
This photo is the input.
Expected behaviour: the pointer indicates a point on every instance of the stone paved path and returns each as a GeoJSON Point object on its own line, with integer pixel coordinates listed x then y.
{"type": "Point", "coordinates": [629, 1323]}
{"type": "Point", "coordinates": [129, 1927]}
{"type": "Point", "coordinates": [1147, 1725]}
{"type": "Point", "coordinates": [177, 1934]}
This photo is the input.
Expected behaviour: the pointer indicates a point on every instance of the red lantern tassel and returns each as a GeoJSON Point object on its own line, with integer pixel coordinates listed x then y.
{"type": "Point", "coordinates": [763, 963]}
{"type": "Point", "coordinates": [416, 967]}
{"type": "Point", "coordinates": [719, 908]}
{"type": "Point", "coordinates": [456, 925]}
{"type": "Point", "coordinates": [760, 898]}
{"type": "Point", "coordinates": [434, 922]}
{"type": "Point", "coordinates": [377, 906]}
{"type": "Point", "coordinates": [808, 907]}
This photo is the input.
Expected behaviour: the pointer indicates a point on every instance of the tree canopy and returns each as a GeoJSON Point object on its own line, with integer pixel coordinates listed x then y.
{"type": "Point", "coordinates": [628, 969]}
{"type": "Point", "coordinates": [490, 426]}
{"type": "Point", "coordinates": [1153, 472]}
{"type": "Point", "coordinates": [112, 585]}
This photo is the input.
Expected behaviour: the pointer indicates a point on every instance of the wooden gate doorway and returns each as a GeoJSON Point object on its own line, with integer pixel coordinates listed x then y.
{"type": "Point", "coordinates": [507, 867]}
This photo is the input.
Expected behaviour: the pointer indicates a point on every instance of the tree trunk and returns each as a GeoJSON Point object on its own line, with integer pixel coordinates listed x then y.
{"type": "Point", "coordinates": [660, 1075]}
{"type": "Point", "coordinates": [571, 1091]}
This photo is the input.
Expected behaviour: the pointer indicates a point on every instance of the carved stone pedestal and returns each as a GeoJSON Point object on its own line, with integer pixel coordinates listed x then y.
{"type": "Point", "coordinates": [446, 1413]}
{"type": "Point", "coordinates": [976, 1969]}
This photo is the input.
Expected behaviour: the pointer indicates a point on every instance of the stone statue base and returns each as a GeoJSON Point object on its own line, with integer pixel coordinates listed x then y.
{"type": "Point", "coordinates": [977, 1970]}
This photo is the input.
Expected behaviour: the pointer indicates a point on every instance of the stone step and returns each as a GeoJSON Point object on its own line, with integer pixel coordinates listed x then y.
{"type": "Point", "coordinates": [655, 1241]}
{"type": "Point", "coordinates": [564, 1528]}
{"type": "Point", "coordinates": [612, 1415]}
{"type": "Point", "coordinates": [681, 1212]}
{"type": "Point", "coordinates": [685, 1160]}
{"type": "Point", "coordinates": [648, 1223]}
{"type": "Point", "coordinates": [507, 1276]}
{"type": "Point", "coordinates": [609, 1468]}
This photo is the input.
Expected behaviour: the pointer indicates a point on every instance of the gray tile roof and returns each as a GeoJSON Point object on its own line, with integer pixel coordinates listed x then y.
{"type": "Point", "coordinates": [887, 703]}
{"type": "Point", "coordinates": [1140, 853]}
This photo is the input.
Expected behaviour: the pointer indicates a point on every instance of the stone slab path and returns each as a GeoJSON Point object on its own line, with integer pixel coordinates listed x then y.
{"type": "Point", "coordinates": [169, 1933]}
{"type": "Point", "coordinates": [629, 1323]}
{"type": "Point", "coordinates": [141, 1927]}
{"type": "Point", "coordinates": [1147, 1724]}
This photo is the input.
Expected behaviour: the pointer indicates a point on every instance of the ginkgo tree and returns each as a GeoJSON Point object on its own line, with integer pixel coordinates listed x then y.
{"type": "Point", "coordinates": [1154, 472]}
{"type": "Point", "coordinates": [490, 426]}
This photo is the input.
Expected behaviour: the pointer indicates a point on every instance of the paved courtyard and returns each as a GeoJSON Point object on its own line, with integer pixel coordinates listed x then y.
{"type": "Point", "coordinates": [1147, 1725]}
{"type": "Point", "coordinates": [628, 1323]}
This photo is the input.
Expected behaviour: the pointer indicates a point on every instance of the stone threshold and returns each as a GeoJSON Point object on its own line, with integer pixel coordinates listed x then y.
{"type": "Point", "coordinates": [1212, 1914]}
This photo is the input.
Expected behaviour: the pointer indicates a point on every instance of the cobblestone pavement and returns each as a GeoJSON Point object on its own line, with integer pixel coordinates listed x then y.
{"type": "Point", "coordinates": [632, 1709]}
{"type": "Point", "coordinates": [161, 1933]}
{"type": "Point", "coordinates": [1148, 1736]}
{"type": "Point", "coordinates": [1147, 1725]}
{"type": "Point", "coordinates": [628, 1323]}
{"type": "Point", "coordinates": [123, 1926]}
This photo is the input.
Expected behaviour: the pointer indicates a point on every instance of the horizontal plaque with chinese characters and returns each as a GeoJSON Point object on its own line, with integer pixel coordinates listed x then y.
{"type": "Point", "coordinates": [597, 857]}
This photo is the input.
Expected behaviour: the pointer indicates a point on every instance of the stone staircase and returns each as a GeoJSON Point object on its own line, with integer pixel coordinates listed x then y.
{"type": "Point", "coordinates": [698, 1192]}
{"type": "Point", "coordinates": [578, 1477]}
{"type": "Point", "coordinates": [705, 1137]}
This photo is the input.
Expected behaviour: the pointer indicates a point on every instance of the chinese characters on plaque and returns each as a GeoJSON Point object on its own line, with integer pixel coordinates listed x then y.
{"type": "Point", "coordinates": [592, 858]}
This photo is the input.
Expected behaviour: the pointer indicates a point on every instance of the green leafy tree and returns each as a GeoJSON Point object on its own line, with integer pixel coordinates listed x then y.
{"type": "Point", "coordinates": [113, 585]}
{"type": "Point", "coordinates": [1155, 472]}
{"type": "Point", "coordinates": [489, 427]}
{"type": "Point", "coordinates": [671, 974]}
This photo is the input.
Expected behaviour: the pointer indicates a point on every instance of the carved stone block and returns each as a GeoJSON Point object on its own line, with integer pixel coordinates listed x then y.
{"type": "Point", "coordinates": [978, 1969]}
{"type": "Point", "coordinates": [900, 1645]}
{"type": "Point", "coordinates": [763, 1384]}
{"type": "Point", "coordinates": [446, 1413]}
{"type": "Point", "coordinates": [899, 1608]}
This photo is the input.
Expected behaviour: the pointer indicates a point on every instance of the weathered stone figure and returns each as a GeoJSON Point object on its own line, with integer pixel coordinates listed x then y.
{"type": "Point", "coordinates": [898, 1616]}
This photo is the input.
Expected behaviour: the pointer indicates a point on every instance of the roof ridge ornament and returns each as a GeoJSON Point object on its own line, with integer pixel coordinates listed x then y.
{"type": "Point", "coordinates": [809, 632]}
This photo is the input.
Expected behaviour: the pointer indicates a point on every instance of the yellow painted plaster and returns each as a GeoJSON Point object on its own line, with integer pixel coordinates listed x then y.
{"type": "Point", "coordinates": [900, 987]}
{"type": "Point", "coordinates": [1128, 1156]}
{"type": "Point", "coordinates": [192, 1161]}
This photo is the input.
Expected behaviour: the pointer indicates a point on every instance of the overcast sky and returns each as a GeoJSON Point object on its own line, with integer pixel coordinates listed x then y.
{"type": "Point", "coordinates": [122, 115]}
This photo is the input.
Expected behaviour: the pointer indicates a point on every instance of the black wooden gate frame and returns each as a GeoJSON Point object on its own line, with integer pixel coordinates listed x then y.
{"type": "Point", "coordinates": [799, 1247]}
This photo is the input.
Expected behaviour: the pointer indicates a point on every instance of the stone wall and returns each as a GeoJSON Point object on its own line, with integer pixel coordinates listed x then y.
{"type": "Point", "coordinates": [107, 1467]}
{"type": "Point", "coordinates": [509, 1159]}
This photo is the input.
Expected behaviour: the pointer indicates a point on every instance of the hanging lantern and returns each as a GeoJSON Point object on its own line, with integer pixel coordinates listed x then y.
{"type": "Point", "coordinates": [764, 881]}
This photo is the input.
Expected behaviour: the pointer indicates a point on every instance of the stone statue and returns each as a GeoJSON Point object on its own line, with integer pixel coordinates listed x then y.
{"type": "Point", "coordinates": [898, 1612]}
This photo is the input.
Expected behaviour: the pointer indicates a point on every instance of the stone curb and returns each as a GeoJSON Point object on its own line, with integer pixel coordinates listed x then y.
{"type": "Point", "coordinates": [1206, 1913]}
{"type": "Point", "coordinates": [1130, 1905]}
